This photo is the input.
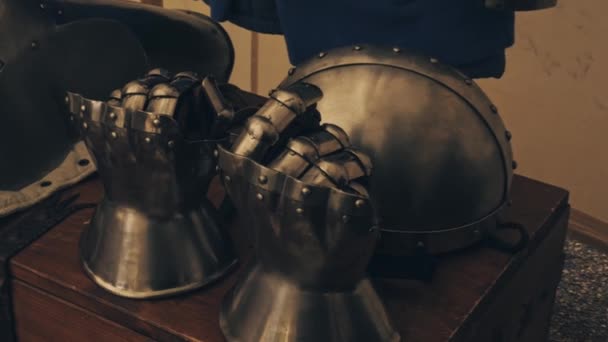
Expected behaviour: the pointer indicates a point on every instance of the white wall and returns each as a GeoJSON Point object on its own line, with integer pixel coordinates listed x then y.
{"type": "Point", "coordinates": [273, 63]}
{"type": "Point", "coordinates": [554, 98]}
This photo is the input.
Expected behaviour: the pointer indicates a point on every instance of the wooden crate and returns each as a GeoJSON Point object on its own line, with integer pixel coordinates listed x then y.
{"type": "Point", "coordinates": [479, 294]}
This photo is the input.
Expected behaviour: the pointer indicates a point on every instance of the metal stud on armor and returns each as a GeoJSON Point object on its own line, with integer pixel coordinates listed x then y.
{"type": "Point", "coordinates": [313, 229]}
{"type": "Point", "coordinates": [155, 233]}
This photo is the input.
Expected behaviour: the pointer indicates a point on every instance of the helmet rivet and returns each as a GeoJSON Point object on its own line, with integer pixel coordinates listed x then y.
{"type": "Point", "coordinates": [300, 211]}
{"type": "Point", "coordinates": [113, 116]}
{"type": "Point", "coordinates": [508, 135]}
{"type": "Point", "coordinates": [83, 108]}
{"type": "Point", "coordinates": [514, 165]}
{"type": "Point", "coordinates": [259, 196]}
{"type": "Point", "coordinates": [43, 6]}
{"type": "Point", "coordinates": [114, 135]}
{"type": "Point", "coordinates": [71, 117]}
{"type": "Point", "coordinates": [67, 99]}
{"type": "Point", "coordinates": [263, 179]}
{"type": "Point", "coordinates": [493, 108]}
{"type": "Point", "coordinates": [216, 153]}
{"type": "Point", "coordinates": [420, 244]}
{"type": "Point", "coordinates": [468, 81]}
{"type": "Point", "coordinates": [357, 48]}
{"type": "Point", "coordinates": [156, 122]}
{"type": "Point", "coordinates": [85, 125]}
{"type": "Point", "coordinates": [434, 60]}
{"type": "Point", "coordinates": [345, 218]}
{"type": "Point", "coordinates": [227, 179]}
{"type": "Point", "coordinates": [34, 45]}
{"type": "Point", "coordinates": [291, 71]}
{"type": "Point", "coordinates": [217, 168]}
{"type": "Point", "coordinates": [322, 54]}
{"type": "Point", "coordinates": [476, 232]}
{"type": "Point", "coordinates": [373, 229]}
{"type": "Point", "coordinates": [359, 203]}
{"type": "Point", "coordinates": [171, 144]}
{"type": "Point", "coordinates": [305, 191]}
{"type": "Point", "coordinates": [396, 49]}
{"type": "Point", "coordinates": [147, 140]}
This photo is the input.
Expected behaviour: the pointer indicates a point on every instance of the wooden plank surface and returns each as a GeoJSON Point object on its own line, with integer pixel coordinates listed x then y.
{"type": "Point", "coordinates": [522, 310]}
{"type": "Point", "coordinates": [62, 321]}
{"type": "Point", "coordinates": [464, 285]}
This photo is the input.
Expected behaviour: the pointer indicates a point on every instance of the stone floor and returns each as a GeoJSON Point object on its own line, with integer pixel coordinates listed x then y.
{"type": "Point", "coordinates": [581, 307]}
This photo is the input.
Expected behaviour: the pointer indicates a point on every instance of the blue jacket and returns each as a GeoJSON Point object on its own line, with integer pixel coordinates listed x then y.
{"type": "Point", "coordinates": [462, 33]}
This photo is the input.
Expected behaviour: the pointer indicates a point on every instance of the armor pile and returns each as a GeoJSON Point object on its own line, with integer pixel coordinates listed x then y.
{"type": "Point", "coordinates": [362, 152]}
{"type": "Point", "coordinates": [328, 180]}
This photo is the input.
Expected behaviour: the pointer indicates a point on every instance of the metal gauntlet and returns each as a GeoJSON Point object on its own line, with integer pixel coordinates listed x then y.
{"type": "Point", "coordinates": [155, 233]}
{"type": "Point", "coordinates": [313, 230]}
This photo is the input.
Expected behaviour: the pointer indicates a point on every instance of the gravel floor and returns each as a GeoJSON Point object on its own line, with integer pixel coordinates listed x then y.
{"type": "Point", "coordinates": [580, 313]}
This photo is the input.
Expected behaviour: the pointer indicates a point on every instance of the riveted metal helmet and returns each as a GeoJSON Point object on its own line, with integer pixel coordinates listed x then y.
{"type": "Point", "coordinates": [89, 47]}
{"type": "Point", "coordinates": [442, 157]}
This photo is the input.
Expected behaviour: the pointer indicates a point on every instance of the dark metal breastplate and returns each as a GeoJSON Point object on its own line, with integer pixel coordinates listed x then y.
{"type": "Point", "coordinates": [89, 47]}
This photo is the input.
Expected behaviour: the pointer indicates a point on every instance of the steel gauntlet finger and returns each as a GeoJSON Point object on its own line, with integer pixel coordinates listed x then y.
{"type": "Point", "coordinates": [325, 158]}
{"type": "Point", "coordinates": [288, 112]}
{"type": "Point", "coordinates": [198, 106]}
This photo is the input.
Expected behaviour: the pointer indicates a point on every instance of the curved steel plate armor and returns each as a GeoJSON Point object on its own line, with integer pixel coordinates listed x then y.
{"type": "Point", "coordinates": [442, 157]}
{"type": "Point", "coordinates": [154, 234]}
{"type": "Point", "coordinates": [313, 229]}
{"type": "Point", "coordinates": [89, 47]}
{"type": "Point", "coordinates": [195, 42]}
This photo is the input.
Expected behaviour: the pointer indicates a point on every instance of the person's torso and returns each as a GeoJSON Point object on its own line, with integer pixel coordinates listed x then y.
{"type": "Point", "coordinates": [462, 33]}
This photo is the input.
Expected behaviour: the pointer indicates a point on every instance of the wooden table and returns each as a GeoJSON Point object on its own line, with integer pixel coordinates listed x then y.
{"type": "Point", "coordinates": [479, 294]}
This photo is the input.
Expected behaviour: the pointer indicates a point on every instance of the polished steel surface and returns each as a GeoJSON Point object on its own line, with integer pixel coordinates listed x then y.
{"type": "Point", "coordinates": [313, 239]}
{"type": "Point", "coordinates": [442, 157]}
{"type": "Point", "coordinates": [154, 234]}
{"type": "Point", "coordinates": [133, 254]}
{"type": "Point", "coordinates": [271, 308]}
{"type": "Point", "coordinates": [312, 246]}
{"type": "Point", "coordinates": [303, 151]}
{"type": "Point", "coordinates": [285, 107]}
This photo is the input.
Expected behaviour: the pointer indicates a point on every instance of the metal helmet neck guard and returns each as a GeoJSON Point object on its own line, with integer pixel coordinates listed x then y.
{"type": "Point", "coordinates": [442, 157]}
{"type": "Point", "coordinates": [89, 47]}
